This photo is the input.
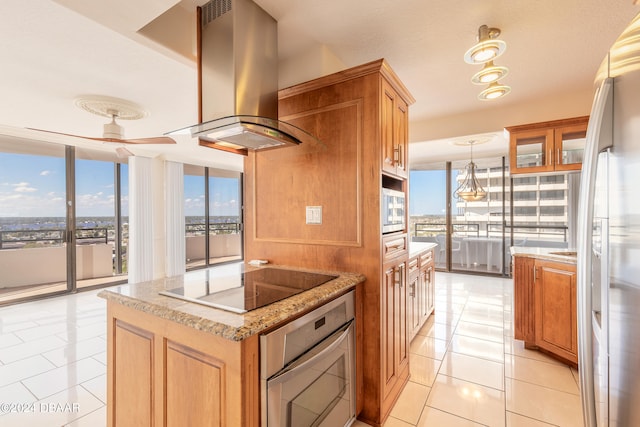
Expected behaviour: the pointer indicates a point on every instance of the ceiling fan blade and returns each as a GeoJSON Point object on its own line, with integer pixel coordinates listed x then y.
{"type": "Point", "coordinates": [152, 140]}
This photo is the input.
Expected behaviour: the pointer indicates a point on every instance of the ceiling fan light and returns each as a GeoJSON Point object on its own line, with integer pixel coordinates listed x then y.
{"type": "Point", "coordinates": [494, 91]}
{"type": "Point", "coordinates": [489, 74]}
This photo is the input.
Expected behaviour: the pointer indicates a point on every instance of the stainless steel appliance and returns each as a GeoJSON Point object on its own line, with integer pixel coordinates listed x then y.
{"type": "Point", "coordinates": [307, 369]}
{"type": "Point", "coordinates": [393, 205]}
{"type": "Point", "coordinates": [609, 242]}
{"type": "Point", "coordinates": [232, 288]}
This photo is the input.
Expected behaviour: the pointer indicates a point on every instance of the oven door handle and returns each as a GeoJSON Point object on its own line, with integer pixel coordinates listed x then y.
{"type": "Point", "coordinates": [325, 347]}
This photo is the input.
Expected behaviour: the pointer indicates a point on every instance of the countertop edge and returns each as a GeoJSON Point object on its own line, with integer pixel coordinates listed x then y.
{"type": "Point", "coordinates": [252, 322]}
{"type": "Point", "coordinates": [543, 254]}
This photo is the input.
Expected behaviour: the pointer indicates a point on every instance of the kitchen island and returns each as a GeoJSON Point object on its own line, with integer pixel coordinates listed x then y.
{"type": "Point", "coordinates": [172, 362]}
{"type": "Point", "coordinates": [545, 306]}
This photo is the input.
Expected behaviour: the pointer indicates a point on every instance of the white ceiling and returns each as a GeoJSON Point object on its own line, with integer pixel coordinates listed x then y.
{"type": "Point", "coordinates": [54, 51]}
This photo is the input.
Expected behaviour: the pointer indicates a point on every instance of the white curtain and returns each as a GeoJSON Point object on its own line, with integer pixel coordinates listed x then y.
{"type": "Point", "coordinates": [174, 218]}
{"type": "Point", "coordinates": [140, 251]}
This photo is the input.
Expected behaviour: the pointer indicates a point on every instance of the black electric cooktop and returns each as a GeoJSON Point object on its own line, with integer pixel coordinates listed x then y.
{"type": "Point", "coordinates": [231, 288]}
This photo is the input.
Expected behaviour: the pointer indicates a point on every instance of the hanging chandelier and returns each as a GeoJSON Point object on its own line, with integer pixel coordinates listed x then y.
{"type": "Point", "coordinates": [470, 189]}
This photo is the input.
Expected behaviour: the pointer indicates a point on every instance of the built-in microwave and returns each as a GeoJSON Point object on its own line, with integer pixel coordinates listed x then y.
{"type": "Point", "coordinates": [393, 210]}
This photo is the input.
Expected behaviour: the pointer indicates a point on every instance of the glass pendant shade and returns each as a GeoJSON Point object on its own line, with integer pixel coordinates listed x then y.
{"type": "Point", "coordinates": [470, 189]}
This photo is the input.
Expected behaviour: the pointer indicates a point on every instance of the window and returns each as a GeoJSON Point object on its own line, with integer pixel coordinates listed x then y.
{"type": "Point", "coordinates": [552, 179]}
{"type": "Point", "coordinates": [525, 210]}
{"type": "Point", "coordinates": [552, 210]}
{"type": "Point", "coordinates": [213, 217]}
{"type": "Point", "coordinates": [552, 195]}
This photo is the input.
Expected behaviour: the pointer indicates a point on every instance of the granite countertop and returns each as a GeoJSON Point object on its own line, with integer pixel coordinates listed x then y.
{"type": "Point", "coordinates": [415, 248]}
{"type": "Point", "coordinates": [144, 297]}
{"type": "Point", "coordinates": [552, 254]}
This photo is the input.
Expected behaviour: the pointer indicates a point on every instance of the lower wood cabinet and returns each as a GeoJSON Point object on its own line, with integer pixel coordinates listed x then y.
{"type": "Point", "coordinates": [545, 307]}
{"type": "Point", "coordinates": [163, 373]}
{"type": "Point", "coordinates": [421, 290]}
{"type": "Point", "coordinates": [395, 343]}
{"type": "Point", "coordinates": [556, 309]}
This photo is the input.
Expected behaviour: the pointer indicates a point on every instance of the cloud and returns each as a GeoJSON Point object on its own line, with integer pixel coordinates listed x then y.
{"type": "Point", "coordinates": [45, 173]}
{"type": "Point", "coordinates": [23, 187]}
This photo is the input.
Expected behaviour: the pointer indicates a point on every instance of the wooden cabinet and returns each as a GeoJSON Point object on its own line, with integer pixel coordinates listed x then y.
{"type": "Point", "coordinates": [360, 115]}
{"type": "Point", "coordinates": [556, 310]}
{"type": "Point", "coordinates": [395, 357]}
{"type": "Point", "coordinates": [547, 147]}
{"type": "Point", "coordinates": [164, 373]}
{"type": "Point", "coordinates": [545, 310]}
{"type": "Point", "coordinates": [421, 290]}
{"type": "Point", "coordinates": [395, 136]}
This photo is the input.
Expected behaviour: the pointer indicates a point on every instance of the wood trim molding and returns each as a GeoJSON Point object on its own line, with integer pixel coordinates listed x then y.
{"type": "Point", "coordinates": [378, 66]}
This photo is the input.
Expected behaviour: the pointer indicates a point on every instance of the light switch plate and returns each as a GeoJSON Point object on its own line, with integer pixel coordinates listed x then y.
{"type": "Point", "coordinates": [314, 215]}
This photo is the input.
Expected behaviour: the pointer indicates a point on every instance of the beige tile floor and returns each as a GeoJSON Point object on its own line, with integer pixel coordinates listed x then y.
{"type": "Point", "coordinates": [466, 369]}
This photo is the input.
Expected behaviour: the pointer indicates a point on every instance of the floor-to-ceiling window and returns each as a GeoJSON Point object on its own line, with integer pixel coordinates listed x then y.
{"type": "Point", "coordinates": [101, 235]}
{"type": "Point", "coordinates": [470, 234]}
{"type": "Point", "coordinates": [427, 209]}
{"type": "Point", "coordinates": [213, 216]}
{"type": "Point", "coordinates": [61, 221]}
{"type": "Point", "coordinates": [476, 236]}
{"type": "Point", "coordinates": [33, 225]}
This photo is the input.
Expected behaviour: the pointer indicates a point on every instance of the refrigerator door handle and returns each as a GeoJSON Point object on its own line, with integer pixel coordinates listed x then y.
{"type": "Point", "coordinates": [598, 134]}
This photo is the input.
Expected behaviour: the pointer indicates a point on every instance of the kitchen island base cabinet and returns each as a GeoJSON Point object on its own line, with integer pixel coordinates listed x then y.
{"type": "Point", "coordinates": [164, 373]}
{"type": "Point", "coordinates": [545, 310]}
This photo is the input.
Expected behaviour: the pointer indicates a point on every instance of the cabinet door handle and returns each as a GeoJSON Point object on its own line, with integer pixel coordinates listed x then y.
{"type": "Point", "coordinates": [396, 154]}
{"type": "Point", "coordinates": [558, 157]}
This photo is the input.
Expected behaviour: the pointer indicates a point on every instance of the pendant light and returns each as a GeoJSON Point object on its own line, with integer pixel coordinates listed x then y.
{"type": "Point", "coordinates": [470, 189]}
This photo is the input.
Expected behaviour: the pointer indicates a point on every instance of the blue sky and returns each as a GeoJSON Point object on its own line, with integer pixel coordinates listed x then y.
{"type": "Point", "coordinates": [427, 192]}
{"type": "Point", "coordinates": [223, 196]}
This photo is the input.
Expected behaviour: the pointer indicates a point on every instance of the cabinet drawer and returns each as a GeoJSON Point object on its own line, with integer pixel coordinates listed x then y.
{"type": "Point", "coordinates": [426, 258]}
{"type": "Point", "coordinates": [394, 246]}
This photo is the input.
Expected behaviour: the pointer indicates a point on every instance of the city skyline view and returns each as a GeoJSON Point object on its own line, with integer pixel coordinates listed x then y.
{"type": "Point", "coordinates": [34, 186]}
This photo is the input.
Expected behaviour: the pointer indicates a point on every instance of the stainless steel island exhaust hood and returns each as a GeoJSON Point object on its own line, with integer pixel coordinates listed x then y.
{"type": "Point", "coordinates": [238, 80]}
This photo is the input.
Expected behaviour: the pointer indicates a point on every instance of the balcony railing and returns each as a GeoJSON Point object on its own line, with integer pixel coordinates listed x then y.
{"type": "Point", "coordinates": [195, 229]}
{"type": "Point", "coordinates": [15, 239]}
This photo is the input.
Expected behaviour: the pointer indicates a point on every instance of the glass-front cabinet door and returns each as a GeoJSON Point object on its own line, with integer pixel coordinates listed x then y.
{"type": "Point", "coordinates": [532, 151]}
{"type": "Point", "coordinates": [548, 146]}
{"type": "Point", "coordinates": [569, 147]}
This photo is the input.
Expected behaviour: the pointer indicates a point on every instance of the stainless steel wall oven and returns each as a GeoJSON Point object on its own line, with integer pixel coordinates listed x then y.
{"type": "Point", "coordinates": [307, 370]}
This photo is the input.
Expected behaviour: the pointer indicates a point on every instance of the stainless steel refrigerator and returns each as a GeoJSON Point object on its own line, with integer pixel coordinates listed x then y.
{"type": "Point", "coordinates": [609, 242]}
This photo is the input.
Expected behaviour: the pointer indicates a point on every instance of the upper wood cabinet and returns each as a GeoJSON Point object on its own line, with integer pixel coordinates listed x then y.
{"type": "Point", "coordinates": [395, 135]}
{"type": "Point", "coordinates": [548, 146]}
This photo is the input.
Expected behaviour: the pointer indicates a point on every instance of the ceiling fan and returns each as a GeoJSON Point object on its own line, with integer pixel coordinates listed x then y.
{"type": "Point", "coordinates": [114, 108]}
